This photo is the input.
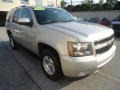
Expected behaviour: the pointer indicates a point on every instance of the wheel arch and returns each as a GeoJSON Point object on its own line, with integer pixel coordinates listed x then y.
{"type": "Point", "coordinates": [42, 46]}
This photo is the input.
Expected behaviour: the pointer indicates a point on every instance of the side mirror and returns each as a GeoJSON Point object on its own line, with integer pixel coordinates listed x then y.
{"type": "Point", "coordinates": [25, 21]}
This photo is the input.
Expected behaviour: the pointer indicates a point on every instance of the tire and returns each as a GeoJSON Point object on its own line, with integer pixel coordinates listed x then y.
{"type": "Point", "coordinates": [12, 42]}
{"type": "Point", "coordinates": [51, 64]}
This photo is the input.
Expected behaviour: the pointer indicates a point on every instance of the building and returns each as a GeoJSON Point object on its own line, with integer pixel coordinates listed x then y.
{"type": "Point", "coordinates": [7, 5]}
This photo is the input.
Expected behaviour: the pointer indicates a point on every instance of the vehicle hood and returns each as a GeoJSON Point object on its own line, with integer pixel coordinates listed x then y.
{"type": "Point", "coordinates": [86, 30]}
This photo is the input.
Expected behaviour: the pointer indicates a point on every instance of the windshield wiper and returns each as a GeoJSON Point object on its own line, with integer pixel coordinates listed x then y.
{"type": "Point", "coordinates": [50, 21]}
{"type": "Point", "coordinates": [66, 20]}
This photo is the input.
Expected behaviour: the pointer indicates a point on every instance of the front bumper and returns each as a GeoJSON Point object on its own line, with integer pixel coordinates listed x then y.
{"type": "Point", "coordinates": [81, 66]}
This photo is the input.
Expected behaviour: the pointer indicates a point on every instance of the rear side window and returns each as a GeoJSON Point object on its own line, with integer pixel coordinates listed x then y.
{"type": "Point", "coordinates": [16, 15]}
{"type": "Point", "coordinates": [8, 18]}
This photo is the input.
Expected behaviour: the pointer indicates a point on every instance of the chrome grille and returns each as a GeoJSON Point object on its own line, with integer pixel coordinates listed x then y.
{"type": "Point", "coordinates": [104, 45]}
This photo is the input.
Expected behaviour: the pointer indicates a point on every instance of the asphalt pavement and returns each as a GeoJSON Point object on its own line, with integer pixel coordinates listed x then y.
{"type": "Point", "coordinates": [12, 74]}
{"type": "Point", "coordinates": [25, 71]}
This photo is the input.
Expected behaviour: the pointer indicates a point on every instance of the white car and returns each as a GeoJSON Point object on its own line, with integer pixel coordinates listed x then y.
{"type": "Point", "coordinates": [65, 46]}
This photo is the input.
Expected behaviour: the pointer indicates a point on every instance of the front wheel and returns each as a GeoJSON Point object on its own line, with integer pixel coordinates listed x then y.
{"type": "Point", "coordinates": [51, 64]}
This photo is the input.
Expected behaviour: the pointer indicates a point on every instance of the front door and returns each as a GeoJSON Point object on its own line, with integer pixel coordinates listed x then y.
{"type": "Point", "coordinates": [27, 31]}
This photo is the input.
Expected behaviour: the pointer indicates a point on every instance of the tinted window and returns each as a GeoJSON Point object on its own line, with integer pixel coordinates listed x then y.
{"type": "Point", "coordinates": [9, 16]}
{"type": "Point", "coordinates": [26, 14]}
{"type": "Point", "coordinates": [52, 15]}
{"type": "Point", "coordinates": [118, 18]}
{"type": "Point", "coordinates": [16, 15]}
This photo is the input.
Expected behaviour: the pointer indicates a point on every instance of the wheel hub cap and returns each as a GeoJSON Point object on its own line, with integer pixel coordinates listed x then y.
{"type": "Point", "coordinates": [49, 65]}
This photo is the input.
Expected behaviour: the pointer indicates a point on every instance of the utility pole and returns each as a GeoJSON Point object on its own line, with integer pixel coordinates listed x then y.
{"type": "Point", "coordinates": [71, 2]}
{"type": "Point", "coordinates": [56, 3]}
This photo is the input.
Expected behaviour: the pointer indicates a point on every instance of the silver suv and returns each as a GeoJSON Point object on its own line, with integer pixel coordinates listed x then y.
{"type": "Point", "coordinates": [65, 46]}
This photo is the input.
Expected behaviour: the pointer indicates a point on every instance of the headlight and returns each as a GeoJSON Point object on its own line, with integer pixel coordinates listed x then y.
{"type": "Point", "coordinates": [77, 49]}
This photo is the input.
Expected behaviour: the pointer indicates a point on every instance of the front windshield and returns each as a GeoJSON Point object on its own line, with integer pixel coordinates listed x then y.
{"type": "Point", "coordinates": [118, 17]}
{"type": "Point", "coordinates": [52, 15]}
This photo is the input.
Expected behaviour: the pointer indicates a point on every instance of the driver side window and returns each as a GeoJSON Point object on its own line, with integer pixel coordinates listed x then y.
{"type": "Point", "coordinates": [26, 14]}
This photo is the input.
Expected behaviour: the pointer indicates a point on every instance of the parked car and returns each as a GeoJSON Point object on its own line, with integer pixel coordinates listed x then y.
{"type": "Point", "coordinates": [65, 47]}
{"type": "Point", "coordinates": [116, 25]}
{"type": "Point", "coordinates": [103, 21]}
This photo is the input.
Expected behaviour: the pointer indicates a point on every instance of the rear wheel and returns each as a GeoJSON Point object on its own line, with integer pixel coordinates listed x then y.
{"type": "Point", "coordinates": [51, 64]}
{"type": "Point", "coordinates": [12, 42]}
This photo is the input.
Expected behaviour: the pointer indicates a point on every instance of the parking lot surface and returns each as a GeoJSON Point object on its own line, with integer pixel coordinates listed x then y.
{"type": "Point", "coordinates": [12, 74]}
{"type": "Point", "coordinates": [108, 78]}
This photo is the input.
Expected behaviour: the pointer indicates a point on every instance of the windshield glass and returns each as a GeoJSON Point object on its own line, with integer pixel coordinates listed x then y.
{"type": "Point", "coordinates": [52, 15]}
{"type": "Point", "coordinates": [118, 17]}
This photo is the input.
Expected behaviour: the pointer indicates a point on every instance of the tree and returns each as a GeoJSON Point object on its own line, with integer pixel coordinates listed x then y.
{"type": "Point", "coordinates": [112, 2]}
{"type": "Point", "coordinates": [76, 8]}
{"type": "Point", "coordinates": [96, 7]}
{"type": "Point", "coordinates": [117, 6]}
{"type": "Point", "coordinates": [85, 7]}
{"type": "Point", "coordinates": [69, 7]}
{"type": "Point", "coordinates": [101, 2]}
{"type": "Point", "coordinates": [63, 4]}
{"type": "Point", "coordinates": [107, 6]}
{"type": "Point", "coordinates": [88, 2]}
